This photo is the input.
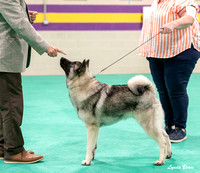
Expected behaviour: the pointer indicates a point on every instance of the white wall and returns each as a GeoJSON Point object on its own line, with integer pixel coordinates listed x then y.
{"type": "Point", "coordinates": [101, 47]}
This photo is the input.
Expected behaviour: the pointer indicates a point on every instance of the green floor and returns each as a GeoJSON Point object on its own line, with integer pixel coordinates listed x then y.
{"type": "Point", "coordinates": [51, 127]}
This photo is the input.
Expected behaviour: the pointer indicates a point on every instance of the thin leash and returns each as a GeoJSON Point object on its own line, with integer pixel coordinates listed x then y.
{"type": "Point", "coordinates": [126, 54]}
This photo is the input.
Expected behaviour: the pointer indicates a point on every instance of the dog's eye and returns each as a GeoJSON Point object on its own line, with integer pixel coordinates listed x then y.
{"type": "Point", "coordinates": [72, 64]}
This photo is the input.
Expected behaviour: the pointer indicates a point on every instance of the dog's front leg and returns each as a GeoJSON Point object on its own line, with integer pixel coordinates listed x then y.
{"type": "Point", "coordinates": [92, 135]}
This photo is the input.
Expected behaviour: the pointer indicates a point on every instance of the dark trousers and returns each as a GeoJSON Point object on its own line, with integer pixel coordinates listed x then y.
{"type": "Point", "coordinates": [11, 112]}
{"type": "Point", "coordinates": [171, 77]}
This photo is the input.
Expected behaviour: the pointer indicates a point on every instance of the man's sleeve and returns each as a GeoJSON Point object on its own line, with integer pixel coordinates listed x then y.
{"type": "Point", "coordinates": [14, 15]}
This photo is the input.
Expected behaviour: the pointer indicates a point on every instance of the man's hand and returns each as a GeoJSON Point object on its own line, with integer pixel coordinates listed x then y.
{"type": "Point", "coordinates": [53, 52]}
{"type": "Point", "coordinates": [33, 15]}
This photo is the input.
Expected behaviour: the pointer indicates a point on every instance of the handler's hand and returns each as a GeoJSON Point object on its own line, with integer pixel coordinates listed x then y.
{"type": "Point", "coordinates": [167, 28]}
{"type": "Point", "coordinates": [33, 15]}
{"type": "Point", "coordinates": [53, 51]}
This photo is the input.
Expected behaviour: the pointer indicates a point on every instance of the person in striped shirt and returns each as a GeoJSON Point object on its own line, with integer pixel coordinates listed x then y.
{"type": "Point", "coordinates": [173, 49]}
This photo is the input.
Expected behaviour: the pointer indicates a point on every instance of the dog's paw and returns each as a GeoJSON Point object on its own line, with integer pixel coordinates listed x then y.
{"type": "Point", "coordinates": [86, 163]}
{"type": "Point", "coordinates": [158, 163]}
{"type": "Point", "coordinates": [169, 156]}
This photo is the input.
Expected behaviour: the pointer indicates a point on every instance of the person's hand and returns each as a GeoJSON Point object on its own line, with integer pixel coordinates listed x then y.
{"type": "Point", "coordinates": [167, 28]}
{"type": "Point", "coordinates": [53, 51]}
{"type": "Point", "coordinates": [33, 15]}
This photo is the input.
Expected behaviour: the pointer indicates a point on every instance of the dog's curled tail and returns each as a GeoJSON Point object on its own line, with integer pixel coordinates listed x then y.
{"type": "Point", "coordinates": [140, 84]}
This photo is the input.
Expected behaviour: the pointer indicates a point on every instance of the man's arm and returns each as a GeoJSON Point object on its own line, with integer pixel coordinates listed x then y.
{"type": "Point", "coordinates": [15, 16]}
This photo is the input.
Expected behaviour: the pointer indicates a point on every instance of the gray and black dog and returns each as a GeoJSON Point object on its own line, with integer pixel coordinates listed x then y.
{"type": "Point", "coordinates": [99, 104]}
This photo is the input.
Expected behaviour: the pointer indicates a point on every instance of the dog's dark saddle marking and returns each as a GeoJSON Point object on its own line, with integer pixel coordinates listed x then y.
{"type": "Point", "coordinates": [116, 88]}
{"type": "Point", "coordinates": [120, 103]}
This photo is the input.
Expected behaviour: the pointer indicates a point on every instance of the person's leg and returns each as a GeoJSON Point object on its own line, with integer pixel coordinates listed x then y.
{"type": "Point", "coordinates": [11, 111]}
{"type": "Point", "coordinates": [178, 71]}
{"type": "Point", "coordinates": [157, 71]}
{"type": "Point", "coordinates": [11, 103]}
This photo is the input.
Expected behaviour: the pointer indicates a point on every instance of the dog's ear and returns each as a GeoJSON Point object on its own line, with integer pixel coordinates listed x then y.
{"type": "Point", "coordinates": [82, 68]}
{"type": "Point", "coordinates": [87, 63]}
{"type": "Point", "coordinates": [83, 63]}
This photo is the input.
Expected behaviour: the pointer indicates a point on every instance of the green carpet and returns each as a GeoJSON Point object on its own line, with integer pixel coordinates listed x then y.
{"type": "Point", "coordinates": [52, 128]}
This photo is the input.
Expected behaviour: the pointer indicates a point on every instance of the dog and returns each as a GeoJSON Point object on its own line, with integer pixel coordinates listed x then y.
{"type": "Point", "coordinates": [99, 104]}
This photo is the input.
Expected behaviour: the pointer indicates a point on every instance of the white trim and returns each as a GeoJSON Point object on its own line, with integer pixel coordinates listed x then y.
{"type": "Point", "coordinates": [191, 11]}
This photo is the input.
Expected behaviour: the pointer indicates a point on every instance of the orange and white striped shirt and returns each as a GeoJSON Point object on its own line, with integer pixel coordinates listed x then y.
{"type": "Point", "coordinates": [167, 45]}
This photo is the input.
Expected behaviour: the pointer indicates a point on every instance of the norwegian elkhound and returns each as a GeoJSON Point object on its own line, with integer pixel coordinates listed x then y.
{"type": "Point", "coordinates": [99, 104]}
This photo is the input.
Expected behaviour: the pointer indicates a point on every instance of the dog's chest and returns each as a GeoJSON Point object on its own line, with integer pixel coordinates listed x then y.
{"type": "Point", "coordinates": [86, 117]}
{"type": "Point", "coordinates": [83, 111]}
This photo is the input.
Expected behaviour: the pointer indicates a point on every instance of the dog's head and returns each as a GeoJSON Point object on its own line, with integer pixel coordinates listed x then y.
{"type": "Point", "coordinates": [75, 68]}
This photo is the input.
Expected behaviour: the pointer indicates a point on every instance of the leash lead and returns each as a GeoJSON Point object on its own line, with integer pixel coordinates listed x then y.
{"type": "Point", "coordinates": [126, 54]}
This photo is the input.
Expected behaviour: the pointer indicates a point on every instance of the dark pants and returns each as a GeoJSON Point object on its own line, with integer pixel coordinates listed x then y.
{"type": "Point", "coordinates": [171, 77]}
{"type": "Point", "coordinates": [11, 112]}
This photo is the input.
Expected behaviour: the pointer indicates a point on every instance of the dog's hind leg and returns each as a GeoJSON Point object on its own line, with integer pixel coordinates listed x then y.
{"type": "Point", "coordinates": [160, 139]}
{"type": "Point", "coordinates": [169, 150]}
{"type": "Point", "coordinates": [153, 128]}
{"type": "Point", "coordinates": [156, 133]}
{"type": "Point", "coordinates": [92, 136]}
